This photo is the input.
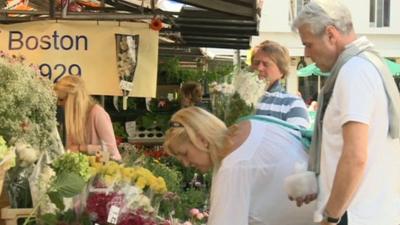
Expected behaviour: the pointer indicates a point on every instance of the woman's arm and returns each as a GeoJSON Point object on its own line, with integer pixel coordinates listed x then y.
{"type": "Point", "coordinates": [105, 132]}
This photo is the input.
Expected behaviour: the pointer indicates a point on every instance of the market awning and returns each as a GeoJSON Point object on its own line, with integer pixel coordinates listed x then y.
{"type": "Point", "coordinates": [312, 69]}
{"type": "Point", "coordinates": [215, 24]}
{"type": "Point", "coordinates": [199, 23]}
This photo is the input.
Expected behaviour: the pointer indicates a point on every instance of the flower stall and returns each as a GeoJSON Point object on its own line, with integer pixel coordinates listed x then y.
{"type": "Point", "coordinates": [49, 186]}
{"type": "Point", "coordinates": [46, 184]}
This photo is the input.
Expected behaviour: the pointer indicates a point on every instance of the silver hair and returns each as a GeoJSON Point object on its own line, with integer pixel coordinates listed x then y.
{"type": "Point", "coordinates": [319, 14]}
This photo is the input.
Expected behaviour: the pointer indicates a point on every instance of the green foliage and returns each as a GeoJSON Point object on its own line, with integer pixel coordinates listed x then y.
{"type": "Point", "coordinates": [73, 163]}
{"type": "Point", "coordinates": [131, 103]}
{"type": "Point", "coordinates": [188, 196]}
{"type": "Point", "coordinates": [66, 185]}
{"type": "Point", "coordinates": [57, 200]}
{"type": "Point", "coordinates": [237, 108]}
{"type": "Point", "coordinates": [27, 106]}
{"type": "Point", "coordinates": [49, 219]}
{"type": "Point", "coordinates": [173, 178]}
{"type": "Point", "coordinates": [67, 217]}
{"type": "Point", "coordinates": [151, 120]}
{"type": "Point", "coordinates": [119, 130]}
{"type": "Point", "coordinates": [174, 73]}
{"type": "Point", "coordinates": [186, 200]}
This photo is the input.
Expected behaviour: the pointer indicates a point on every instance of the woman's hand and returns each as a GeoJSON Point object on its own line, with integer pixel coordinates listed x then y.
{"type": "Point", "coordinates": [83, 148]}
{"type": "Point", "coordinates": [78, 148]}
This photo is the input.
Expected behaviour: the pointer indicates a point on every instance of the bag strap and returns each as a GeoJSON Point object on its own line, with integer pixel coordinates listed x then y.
{"type": "Point", "coordinates": [306, 134]}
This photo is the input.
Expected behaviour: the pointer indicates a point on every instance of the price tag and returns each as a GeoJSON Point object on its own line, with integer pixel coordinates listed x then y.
{"type": "Point", "coordinates": [125, 85]}
{"type": "Point", "coordinates": [113, 215]}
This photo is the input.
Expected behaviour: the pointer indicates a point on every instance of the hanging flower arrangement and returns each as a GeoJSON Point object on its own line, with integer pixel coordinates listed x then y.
{"type": "Point", "coordinates": [127, 56]}
{"type": "Point", "coordinates": [156, 23]}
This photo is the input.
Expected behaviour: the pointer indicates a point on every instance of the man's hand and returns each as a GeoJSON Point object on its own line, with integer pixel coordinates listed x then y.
{"type": "Point", "coordinates": [304, 200]}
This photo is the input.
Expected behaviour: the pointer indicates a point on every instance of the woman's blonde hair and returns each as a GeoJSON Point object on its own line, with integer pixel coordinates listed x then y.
{"type": "Point", "coordinates": [197, 125]}
{"type": "Point", "coordinates": [78, 104]}
{"type": "Point", "coordinates": [278, 54]}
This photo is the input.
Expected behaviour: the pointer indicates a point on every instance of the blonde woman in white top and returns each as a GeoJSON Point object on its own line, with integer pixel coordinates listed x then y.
{"type": "Point", "coordinates": [249, 161]}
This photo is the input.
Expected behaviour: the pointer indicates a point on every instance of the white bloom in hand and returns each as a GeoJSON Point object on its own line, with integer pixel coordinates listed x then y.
{"type": "Point", "coordinates": [301, 182]}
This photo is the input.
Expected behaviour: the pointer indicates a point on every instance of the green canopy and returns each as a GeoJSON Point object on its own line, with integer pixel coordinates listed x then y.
{"type": "Point", "coordinates": [309, 70]}
{"type": "Point", "coordinates": [312, 69]}
{"type": "Point", "coordinates": [393, 67]}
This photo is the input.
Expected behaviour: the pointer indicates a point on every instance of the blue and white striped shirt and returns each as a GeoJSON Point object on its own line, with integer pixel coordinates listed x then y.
{"type": "Point", "coordinates": [278, 103]}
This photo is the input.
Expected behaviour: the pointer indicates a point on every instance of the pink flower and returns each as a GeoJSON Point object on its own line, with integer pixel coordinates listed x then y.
{"type": "Point", "coordinates": [194, 211]}
{"type": "Point", "coordinates": [167, 222]}
{"type": "Point", "coordinates": [200, 216]}
{"type": "Point", "coordinates": [187, 223]}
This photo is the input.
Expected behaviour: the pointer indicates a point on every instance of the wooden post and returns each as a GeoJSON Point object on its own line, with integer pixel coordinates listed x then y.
{"type": "Point", "coordinates": [4, 202]}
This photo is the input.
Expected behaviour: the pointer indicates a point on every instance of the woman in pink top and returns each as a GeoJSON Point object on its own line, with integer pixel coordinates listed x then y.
{"type": "Point", "coordinates": [88, 125]}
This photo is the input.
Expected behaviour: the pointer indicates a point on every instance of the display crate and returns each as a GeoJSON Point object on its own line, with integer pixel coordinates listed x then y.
{"type": "Point", "coordinates": [10, 216]}
{"type": "Point", "coordinates": [142, 135]}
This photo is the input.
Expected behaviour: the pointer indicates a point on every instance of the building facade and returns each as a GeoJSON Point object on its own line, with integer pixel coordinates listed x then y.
{"type": "Point", "coordinates": [376, 19]}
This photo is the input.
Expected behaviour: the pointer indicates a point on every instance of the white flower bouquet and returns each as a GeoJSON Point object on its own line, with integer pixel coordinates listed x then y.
{"type": "Point", "coordinates": [27, 122]}
{"type": "Point", "coordinates": [236, 97]}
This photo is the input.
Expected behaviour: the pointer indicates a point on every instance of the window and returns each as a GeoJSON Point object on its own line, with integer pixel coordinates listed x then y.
{"type": "Point", "coordinates": [379, 13]}
{"type": "Point", "coordinates": [295, 8]}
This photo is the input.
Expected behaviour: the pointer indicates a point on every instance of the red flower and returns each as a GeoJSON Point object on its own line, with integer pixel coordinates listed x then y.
{"type": "Point", "coordinates": [156, 24]}
{"type": "Point", "coordinates": [137, 217]}
{"type": "Point", "coordinates": [99, 204]}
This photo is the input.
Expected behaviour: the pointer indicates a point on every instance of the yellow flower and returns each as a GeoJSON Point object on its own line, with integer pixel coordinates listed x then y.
{"type": "Point", "coordinates": [141, 182]}
{"type": "Point", "coordinates": [109, 180]}
{"type": "Point", "coordinates": [92, 160]}
{"type": "Point", "coordinates": [159, 185]}
{"type": "Point", "coordinates": [93, 171]}
{"type": "Point", "coordinates": [112, 168]}
{"type": "Point", "coordinates": [128, 172]}
{"type": "Point", "coordinates": [96, 168]}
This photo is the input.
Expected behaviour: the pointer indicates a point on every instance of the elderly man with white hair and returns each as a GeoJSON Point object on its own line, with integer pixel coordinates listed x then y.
{"type": "Point", "coordinates": [355, 150]}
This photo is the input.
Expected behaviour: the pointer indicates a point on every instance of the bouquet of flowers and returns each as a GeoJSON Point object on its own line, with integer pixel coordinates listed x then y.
{"type": "Point", "coordinates": [123, 195]}
{"type": "Point", "coordinates": [237, 97]}
{"type": "Point", "coordinates": [65, 178]}
{"type": "Point", "coordinates": [220, 96]}
{"type": "Point", "coordinates": [28, 123]}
